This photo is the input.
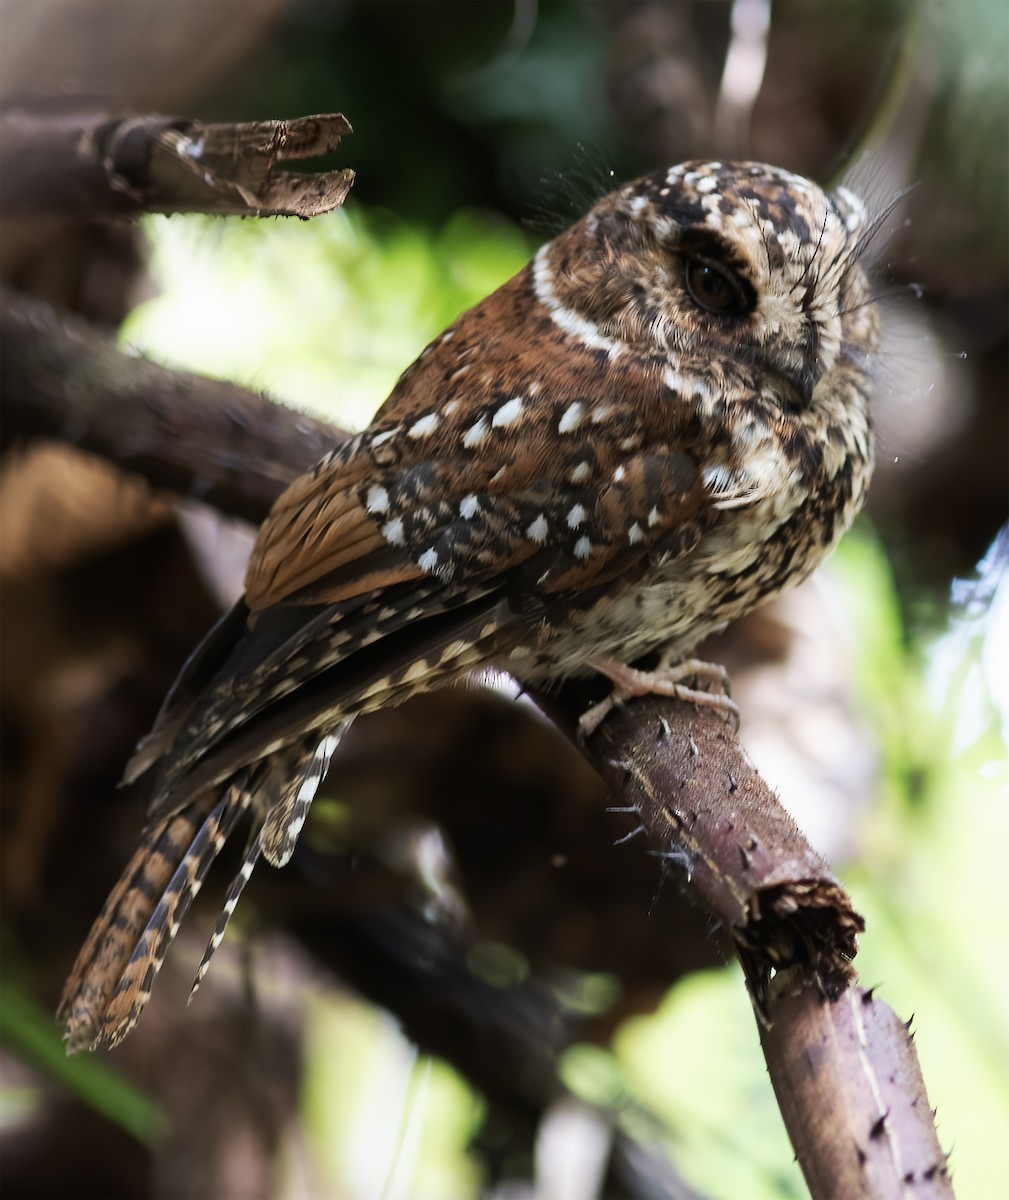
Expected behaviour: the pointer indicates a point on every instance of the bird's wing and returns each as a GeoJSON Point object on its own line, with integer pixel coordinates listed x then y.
{"type": "Point", "coordinates": [401, 556]}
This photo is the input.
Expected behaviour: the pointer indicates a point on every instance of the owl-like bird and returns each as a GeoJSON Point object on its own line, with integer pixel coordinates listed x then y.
{"type": "Point", "coordinates": [659, 423]}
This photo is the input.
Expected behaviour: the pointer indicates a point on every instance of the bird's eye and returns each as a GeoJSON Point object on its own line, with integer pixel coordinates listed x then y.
{"type": "Point", "coordinates": [715, 289]}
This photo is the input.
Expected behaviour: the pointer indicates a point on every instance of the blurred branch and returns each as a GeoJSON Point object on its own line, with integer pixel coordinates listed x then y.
{"type": "Point", "coordinates": [198, 437]}
{"type": "Point", "coordinates": [845, 1073]}
{"type": "Point", "coordinates": [92, 165]}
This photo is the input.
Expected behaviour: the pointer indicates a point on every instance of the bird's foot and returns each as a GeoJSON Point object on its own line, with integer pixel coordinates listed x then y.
{"type": "Point", "coordinates": [666, 680]}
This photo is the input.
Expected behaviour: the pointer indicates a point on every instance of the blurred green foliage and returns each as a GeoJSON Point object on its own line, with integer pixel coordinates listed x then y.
{"type": "Point", "coordinates": [28, 1031]}
{"type": "Point", "coordinates": [322, 315]}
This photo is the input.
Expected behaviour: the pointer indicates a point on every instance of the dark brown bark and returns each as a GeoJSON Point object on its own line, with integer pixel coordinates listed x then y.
{"type": "Point", "coordinates": [187, 434]}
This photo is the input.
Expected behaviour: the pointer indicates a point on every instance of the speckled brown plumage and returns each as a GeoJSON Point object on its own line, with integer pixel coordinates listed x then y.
{"type": "Point", "coordinates": [659, 423]}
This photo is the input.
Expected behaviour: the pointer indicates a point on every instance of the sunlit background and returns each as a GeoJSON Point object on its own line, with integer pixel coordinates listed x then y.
{"type": "Point", "coordinates": [479, 129]}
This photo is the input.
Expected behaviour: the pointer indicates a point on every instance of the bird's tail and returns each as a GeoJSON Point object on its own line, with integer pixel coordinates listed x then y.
{"type": "Point", "coordinates": [111, 981]}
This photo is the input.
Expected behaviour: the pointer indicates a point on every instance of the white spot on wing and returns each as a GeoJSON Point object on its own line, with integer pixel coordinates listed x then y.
{"type": "Point", "coordinates": [583, 548]}
{"type": "Point", "coordinates": [508, 413]}
{"type": "Point", "coordinates": [475, 434]}
{"type": "Point", "coordinates": [572, 418]}
{"type": "Point", "coordinates": [635, 534]}
{"type": "Point", "coordinates": [468, 507]}
{"type": "Point", "coordinates": [580, 473]}
{"type": "Point", "coordinates": [378, 499]}
{"type": "Point", "coordinates": [576, 516]}
{"type": "Point", "coordinates": [538, 530]}
{"type": "Point", "coordinates": [392, 531]}
{"type": "Point", "coordinates": [428, 560]}
{"type": "Point", "coordinates": [423, 427]}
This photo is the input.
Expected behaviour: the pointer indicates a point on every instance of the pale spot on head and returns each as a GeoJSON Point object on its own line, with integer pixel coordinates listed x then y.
{"type": "Point", "coordinates": [635, 534]}
{"type": "Point", "coordinates": [619, 474]}
{"type": "Point", "coordinates": [576, 516]}
{"type": "Point", "coordinates": [653, 518]}
{"type": "Point", "coordinates": [450, 408]}
{"type": "Point", "coordinates": [580, 473]}
{"type": "Point", "coordinates": [469, 506]}
{"type": "Point", "coordinates": [600, 413]}
{"type": "Point", "coordinates": [583, 548]}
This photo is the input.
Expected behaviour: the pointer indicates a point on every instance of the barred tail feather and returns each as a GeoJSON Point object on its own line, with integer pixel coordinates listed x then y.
{"type": "Point", "coordinates": [112, 978]}
{"type": "Point", "coordinates": [298, 776]}
{"type": "Point", "coordinates": [235, 890]}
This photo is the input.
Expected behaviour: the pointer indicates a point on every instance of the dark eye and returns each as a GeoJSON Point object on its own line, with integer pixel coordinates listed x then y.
{"type": "Point", "coordinates": [714, 288]}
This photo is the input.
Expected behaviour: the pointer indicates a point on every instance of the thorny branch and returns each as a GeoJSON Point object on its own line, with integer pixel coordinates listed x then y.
{"type": "Point", "coordinates": [842, 1065]}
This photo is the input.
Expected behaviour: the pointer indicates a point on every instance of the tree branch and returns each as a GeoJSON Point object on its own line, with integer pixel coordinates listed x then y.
{"type": "Point", "coordinates": [90, 165]}
{"type": "Point", "coordinates": [197, 437]}
{"type": "Point", "coordinates": [844, 1071]}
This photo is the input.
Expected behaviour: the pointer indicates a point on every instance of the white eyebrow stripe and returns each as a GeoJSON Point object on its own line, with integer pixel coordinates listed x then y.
{"type": "Point", "coordinates": [566, 319]}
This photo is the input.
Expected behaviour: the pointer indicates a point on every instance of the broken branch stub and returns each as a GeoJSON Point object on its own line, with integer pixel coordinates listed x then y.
{"type": "Point", "coordinates": [91, 165]}
{"type": "Point", "coordinates": [685, 774]}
